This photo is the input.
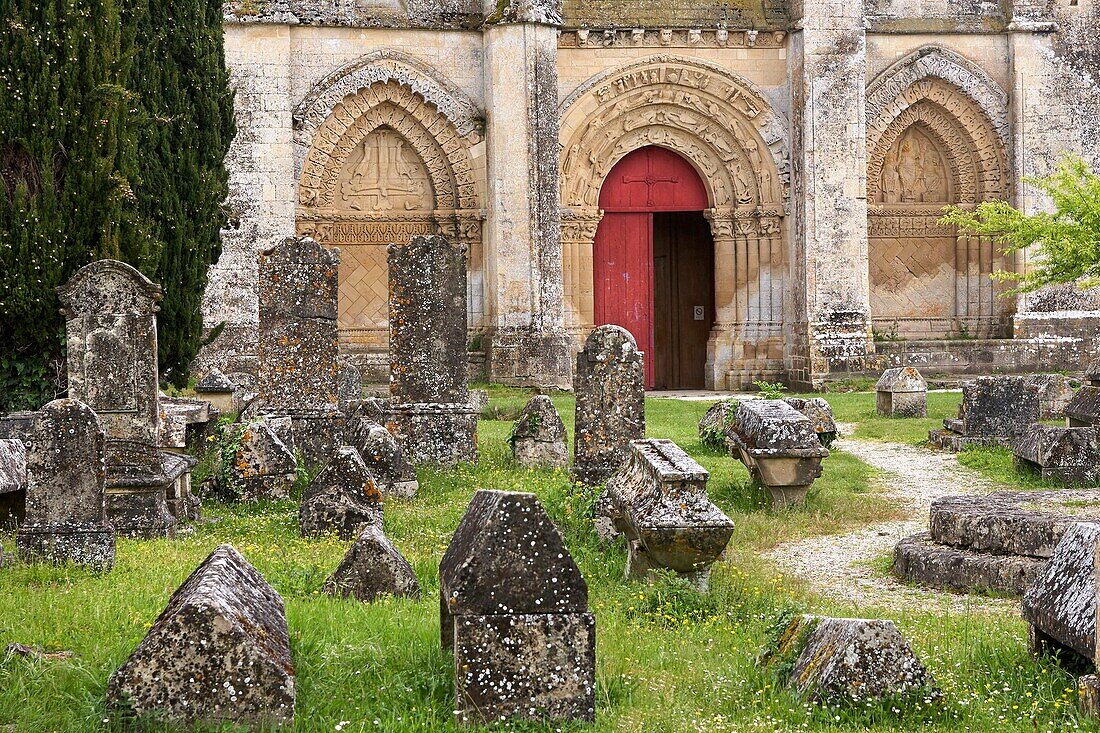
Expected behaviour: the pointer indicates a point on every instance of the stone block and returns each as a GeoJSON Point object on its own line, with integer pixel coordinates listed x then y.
{"type": "Point", "coordinates": [778, 445]}
{"type": "Point", "coordinates": [343, 498]}
{"type": "Point", "coordinates": [820, 414]}
{"type": "Point", "coordinates": [538, 437]}
{"type": "Point", "coordinates": [263, 466]}
{"type": "Point", "coordinates": [658, 500]}
{"type": "Point", "coordinates": [1068, 455]}
{"type": "Point", "coordinates": [217, 389]}
{"type": "Point", "coordinates": [994, 411]}
{"type": "Point", "coordinates": [1060, 605]}
{"type": "Point", "coordinates": [1055, 393]}
{"type": "Point", "coordinates": [849, 661]}
{"type": "Point", "coordinates": [440, 435]}
{"type": "Point", "coordinates": [372, 568]}
{"type": "Point", "coordinates": [919, 559]}
{"type": "Point", "coordinates": [383, 456]}
{"type": "Point", "coordinates": [13, 482]}
{"type": "Point", "coordinates": [901, 392]}
{"type": "Point", "coordinates": [66, 511]}
{"type": "Point", "coordinates": [219, 653]}
{"type": "Point", "coordinates": [609, 385]}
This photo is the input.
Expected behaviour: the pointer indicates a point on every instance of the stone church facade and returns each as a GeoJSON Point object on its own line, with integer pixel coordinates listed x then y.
{"type": "Point", "coordinates": [753, 188]}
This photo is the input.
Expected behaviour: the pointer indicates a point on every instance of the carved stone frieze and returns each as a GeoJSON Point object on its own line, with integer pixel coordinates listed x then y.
{"type": "Point", "coordinates": [670, 37]}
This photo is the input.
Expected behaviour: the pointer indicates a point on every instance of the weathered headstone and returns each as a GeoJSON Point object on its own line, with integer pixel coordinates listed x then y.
{"type": "Point", "coordinates": [298, 343]}
{"type": "Point", "coordinates": [994, 411]}
{"type": "Point", "coordinates": [66, 507]}
{"type": "Point", "coordinates": [712, 426]}
{"type": "Point", "coordinates": [384, 458]}
{"type": "Point", "coordinates": [1060, 606]}
{"type": "Point", "coordinates": [217, 389]}
{"type": "Point", "coordinates": [848, 661]}
{"type": "Point", "coordinates": [609, 386]}
{"type": "Point", "coordinates": [372, 568]}
{"type": "Point", "coordinates": [13, 482]}
{"type": "Point", "coordinates": [820, 414]}
{"type": "Point", "coordinates": [1055, 392]}
{"type": "Point", "coordinates": [1068, 455]}
{"type": "Point", "coordinates": [658, 499]}
{"type": "Point", "coordinates": [263, 466]}
{"type": "Point", "coordinates": [778, 445]}
{"type": "Point", "coordinates": [342, 498]}
{"type": "Point", "coordinates": [111, 329]}
{"type": "Point", "coordinates": [538, 438]}
{"type": "Point", "coordinates": [430, 411]}
{"type": "Point", "coordinates": [901, 392]}
{"type": "Point", "coordinates": [219, 653]}
{"type": "Point", "coordinates": [514, 609]}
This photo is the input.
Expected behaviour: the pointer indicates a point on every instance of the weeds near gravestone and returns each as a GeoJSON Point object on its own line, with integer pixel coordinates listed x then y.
{"type": "Point", "coordinates": [770, 390]}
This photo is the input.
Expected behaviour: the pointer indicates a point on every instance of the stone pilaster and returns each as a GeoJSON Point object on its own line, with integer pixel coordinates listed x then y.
{"type": "Point", "coordinates": [523, 285]}
{"type": "Point", "coordinates": [831, 331]}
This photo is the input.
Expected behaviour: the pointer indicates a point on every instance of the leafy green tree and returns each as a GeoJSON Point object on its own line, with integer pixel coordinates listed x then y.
{"type": "Point", "coordinates": [1066, 240]}
{"type": "Point", "coordinates": [180, 76]}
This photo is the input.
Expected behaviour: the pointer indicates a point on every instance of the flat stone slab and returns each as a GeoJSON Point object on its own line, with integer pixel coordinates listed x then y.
{"type": "Point", "coordinates": [921, 560]}
{"type": "Point", "coordinates": [219, 653]}
{"type": "Point", "coordinates": [1026, 523]}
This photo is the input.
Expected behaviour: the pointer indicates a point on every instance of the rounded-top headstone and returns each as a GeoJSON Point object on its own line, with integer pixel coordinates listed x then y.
{"type": "Point", "coordinates": [65, 466]}
{"type": "Point", "coordinates": [108, 286]}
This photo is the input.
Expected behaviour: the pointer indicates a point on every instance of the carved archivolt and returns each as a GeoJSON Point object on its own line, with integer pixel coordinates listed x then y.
{"type": "Point", "coordinates": [713, 118]}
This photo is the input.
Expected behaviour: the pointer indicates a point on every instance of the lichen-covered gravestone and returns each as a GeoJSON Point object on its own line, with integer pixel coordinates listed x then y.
{"type": "Point", "coordinates": [219, 653]}
{"type": "Point", "coordinates": [298, 345]}
{"type": "Point", "coordinates": [538, 438]}
{"type": "Point", "coordinates": [430, 410]}
{"type": "Point", "coordinates": [658, 499]}
{"type": "Point", "coordinates": [384, 458]}
{"type": "Point", "coordinates": [848, 660]}
{"type": "Point", "coordinates": [712, 426]}
{"type": "Point", "coordinates": [263, 466]}
{"type": "Point", "coordinates": [820, 414]}
{"type": "Point", "coordinates": [779, 446]}
{"type": "Point", "coordinates": [372, 568]}
{"type": "Point", "coordinates": [610, 390]}
{"type": "Point", "coordinates": [901, 392]}
{"type": "Point", "coordinates": [1068, 455]}
{"type": "Point", "coordinates": [514, 610]}
{"type": "Point", "coordinates": [343, 498]}
{"type": "Point", "coordinates": [1055, 393]}
{"type": "Point", "coordinates": [994, 411]}
{"type": "Point", "coordinates": [66, 506]}
{"type": "Point", "coordinates": [111, 330]}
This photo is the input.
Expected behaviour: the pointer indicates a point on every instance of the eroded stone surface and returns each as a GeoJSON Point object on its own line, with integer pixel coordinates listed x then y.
{"type": "Point", "coordinates": [1055, 393]}
{"type": "Point", "coordinates": [218, 653]}
{"type": "Point", "coordinates": [610, 390]}
{"type": "Point", "coordinates": [538, 437]}
{"type": "Point", "coordinates": [1061, 603]}
{"type": "Point", "coordinates": [658, 499]}
{"type": "Point", "coordinates": [13, 482]}
{"type": "Point", "coordinates": [66, 510]}
{"type": "Point", "coordinates": [901, 392]}
{"type": "Point", "coordinates": [778, 445]}
{"type": "Point", "coordinates": [712, 426]}
{"type": "Point", "coordinates": [850, 660]}
{"type": "Point", "coordinates": [1084, 409]}
{"type": "Point", "coordinates": [372, 568]}
{"type": "Point", "coordinates": [263, 467]}
{"type": "Point", "coordinates": [383, 456]}
{"type": "Point", "coordinates": [994, 410]}
{"type": "Point", "coordinates": [1068, 455]}
{"type": "Point", "coordinates": [343, 498]}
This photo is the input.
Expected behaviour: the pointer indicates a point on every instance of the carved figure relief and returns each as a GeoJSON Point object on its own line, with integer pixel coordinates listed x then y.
{"type": "Point", "coordinates": [385, 174]}
{"type": "Point", "coordinates": [914, 171]}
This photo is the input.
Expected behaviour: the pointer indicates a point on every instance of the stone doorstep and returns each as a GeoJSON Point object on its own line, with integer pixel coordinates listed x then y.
{"type": "Point", "coordinates": [921, 560]}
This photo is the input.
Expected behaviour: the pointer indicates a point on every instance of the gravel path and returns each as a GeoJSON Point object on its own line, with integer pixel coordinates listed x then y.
{"type": "Point", "coordinates": [839, 566]}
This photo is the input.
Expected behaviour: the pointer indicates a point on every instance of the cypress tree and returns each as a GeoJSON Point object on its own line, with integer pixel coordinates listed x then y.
{"type": "Point", "coordinates": [180, 75]}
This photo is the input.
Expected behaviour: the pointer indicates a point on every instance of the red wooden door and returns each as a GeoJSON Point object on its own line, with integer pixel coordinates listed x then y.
{"type": "Point", "coordinates": [647, 180]}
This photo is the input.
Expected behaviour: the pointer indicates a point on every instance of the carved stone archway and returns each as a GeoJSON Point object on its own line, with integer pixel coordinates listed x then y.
{"type": "Point", "coordinates": [383, 148]}
{"type": "Point", "coordinates": [937, 134]}
{"type": "Point", "coordinates": [726, 129]}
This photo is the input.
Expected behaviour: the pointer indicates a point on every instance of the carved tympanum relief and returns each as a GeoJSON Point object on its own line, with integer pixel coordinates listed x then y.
{"type": "Point", "coordinates": [385, 174]}
{"type": "Point", "coordinates": [914, 171]}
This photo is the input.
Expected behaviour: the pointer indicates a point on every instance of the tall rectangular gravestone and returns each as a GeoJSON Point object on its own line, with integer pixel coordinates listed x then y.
{"type": "Point", "coordinates": [610, 391]}
{"type": "Point", "coordinates": [66, 517]}
{"type": "Point", "coordinates": [430, 411]}
{"type": "Point", "coordinates": [111, 329]}
{"type": "Point", "coordinates": [299, 347]}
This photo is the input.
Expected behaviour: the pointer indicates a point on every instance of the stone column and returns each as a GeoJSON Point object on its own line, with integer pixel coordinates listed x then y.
{"type": "Point", "coordinates": [523, 275]}
{"type": "Point", "coordinates": [831, 325]}
{"type": "Point", "coordinates": [578, 237]}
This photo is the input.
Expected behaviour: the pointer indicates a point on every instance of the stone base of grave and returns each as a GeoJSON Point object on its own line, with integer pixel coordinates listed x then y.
{"type": "Point", "coordinates": [138, 489]}
{"type": "Point", "coordinates": [93, 547]}
{"type": "Point", "coordinates": [539, 666]}
{"type": "Point", "coordinates": [640, 565]}
{"type": "Point", "coordinates": [182, 504]}
{"type": "Point", "coordinates": [955, 442]}
{"type": "Point", "coordinates": [440, 434]}
{"type": "Point", "coordinates": [1070, 475]}
{"type": "Point", "coordinates": [921, 560]}
{"type": "Point", "coordinates": [540, 453]}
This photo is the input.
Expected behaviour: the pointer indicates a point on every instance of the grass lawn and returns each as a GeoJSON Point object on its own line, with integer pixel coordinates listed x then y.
{"type": "Point", "coordinates": [669, 660]}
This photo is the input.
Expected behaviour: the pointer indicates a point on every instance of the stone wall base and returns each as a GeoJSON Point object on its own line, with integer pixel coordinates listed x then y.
{"type": "Point", "coordinates": [530, 358]}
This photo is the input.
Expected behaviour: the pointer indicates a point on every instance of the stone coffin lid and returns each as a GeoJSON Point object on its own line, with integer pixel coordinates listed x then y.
{"type": "Point", "coordinates": [13, 466]}
{"type": "Point", "coordinates": [540, 421]}
{"type": "Point", "coordinates": [263, 452]}
{"type": "Point", "coordinates": [901, 379]}
{"type": "Point", "coordinates": [772, 427]}
{"type": "Point", "coordinates": [662, 486]}
{"type": "Point", "coordinates": [507, 557]}
{"type": "Point", "coordinates": [1092, 372]}
{"type": "Point", "coordinates": [1085, 405]}
{"type": "Point", "coordinates": [999, 406]}
{"type": "Point", "coordinates": [135, 464]}
{"type": "Point", "coordinates": [346, 475]}
{"type": "Point", "coordinates": [817, 411]}
{"type": "Point", "coordinates": [214, 383]}
{"type": "Point", "coordinates": [1051, 445]}
{"type": "Point", "coordinates": [1062, 601]}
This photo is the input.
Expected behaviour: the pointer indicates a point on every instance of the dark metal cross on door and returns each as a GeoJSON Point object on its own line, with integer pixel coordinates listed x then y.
{"type": "Point", "coordinates": [649, 180]}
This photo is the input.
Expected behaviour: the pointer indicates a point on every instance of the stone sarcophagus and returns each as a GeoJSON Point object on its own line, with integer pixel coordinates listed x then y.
{"type": "Point", "coordinates": [820, 414]}
{"type": "Point", "coordinates": [901, 392]}
{"type": "Point", "coordinates": [994, 411]}
{"type": "Point", "coordinates": [430, 411]}
{"type": "Point", "coordinates": [1083, 409]}
{"type": "Point", "coordinates": [1068, 455]}
{"type": "Point", "coordinates": [1055, 393]}
{"type": "Point", "coordinates": [111, 337]}
{"type": "Point", "coordinates": [779, 446]}
{"type": "Point", "coordinates": [658, 500]}
{"type": "Point", "coordinates": [513, 607]}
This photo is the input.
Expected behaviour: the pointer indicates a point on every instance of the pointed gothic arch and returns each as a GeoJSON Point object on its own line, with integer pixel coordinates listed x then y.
{"type": "Point", "coordinates": [725, 128]}
{"type": "Point", "coordinates": [937, 134]}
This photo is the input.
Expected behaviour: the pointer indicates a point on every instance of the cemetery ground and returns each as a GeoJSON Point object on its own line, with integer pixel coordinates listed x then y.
{"type": "Point", "coordinates": [669, 659]}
